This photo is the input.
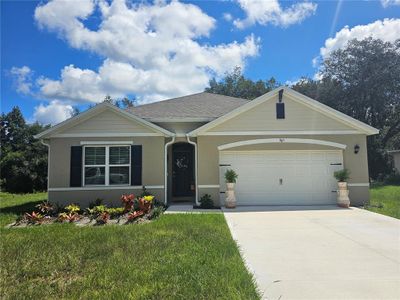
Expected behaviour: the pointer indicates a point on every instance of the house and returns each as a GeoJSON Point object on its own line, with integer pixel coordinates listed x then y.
{"type": "Point", "coordinates": [396, 159]}
{"type": "Point", "coordinates": [283, 145]}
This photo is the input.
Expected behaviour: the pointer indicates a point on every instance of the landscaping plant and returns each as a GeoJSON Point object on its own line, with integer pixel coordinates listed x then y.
{"type": "Point", "coordinates": [206, 201]}
{"type": "Point", "coordinates": [46, 208]}
{"type": "Point", "coordinates": [128, 201]}
{"type": "Point", "coordinates": [231, 176]}
{"type": "Point", "coordinates": [342, 175]}
{"type": "Point", "coordinates": [34, 218]}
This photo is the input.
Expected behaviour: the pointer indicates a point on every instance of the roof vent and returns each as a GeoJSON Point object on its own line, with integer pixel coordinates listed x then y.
{"type": "Point", "coordinates": [280, 107]}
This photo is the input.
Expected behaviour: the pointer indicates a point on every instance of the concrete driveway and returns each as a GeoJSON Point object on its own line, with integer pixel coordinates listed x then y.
{"type": "Point", "coordinates": [319, 252]}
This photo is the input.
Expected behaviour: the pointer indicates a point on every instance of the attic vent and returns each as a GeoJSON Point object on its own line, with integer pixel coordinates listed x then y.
{"type": "Point", "coordinates": [280, 107]}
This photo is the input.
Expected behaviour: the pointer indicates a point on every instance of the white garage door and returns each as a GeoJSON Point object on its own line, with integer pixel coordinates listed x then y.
{"type": "Point", "coordinates": [282, 177]}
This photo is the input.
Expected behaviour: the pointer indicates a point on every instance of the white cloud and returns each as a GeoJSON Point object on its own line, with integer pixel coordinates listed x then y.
{"type": "Point", "coordinates": [387, 30]}
{"type": "Point", "coordinates": [150, 50]}
{"type": "Point", "coordinates": [386, 3]}
{"type": "Point", "coordinates": [52, 113]}
{"type": "Point", "coordinates": [22, 79]}
{"type": "Point", "coordinates": [265, 12]}
{"type": "Point", "coordinates": [227, 17]}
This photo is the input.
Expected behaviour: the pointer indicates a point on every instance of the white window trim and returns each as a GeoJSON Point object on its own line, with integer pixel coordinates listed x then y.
{"type": "Point", "coordinates": [107, 165]}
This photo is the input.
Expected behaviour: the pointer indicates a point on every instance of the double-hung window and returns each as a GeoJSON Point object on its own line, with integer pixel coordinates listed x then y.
{"type": "Point", "coordinates": [107, 165]}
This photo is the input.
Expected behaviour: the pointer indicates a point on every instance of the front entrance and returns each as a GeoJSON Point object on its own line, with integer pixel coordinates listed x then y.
{"type": "Point", "coordinates": [183, 182]}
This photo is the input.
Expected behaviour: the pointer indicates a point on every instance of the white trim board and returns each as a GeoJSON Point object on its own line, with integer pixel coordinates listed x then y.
{"type": "Point", "coordinates": [279, 132]}
{"type": "Point", "coordinates": [281, 141]}
{"type": "Point", "coordinates": [102, 188]}
{"type": "Point", "coordinates": [103, 134]}
{"type": "Point", "coordinates": [208, 186]}
{"type": "Point", "coordinates": [298, 97]}
{"type": "Point", "coordinates": [106, 143]}
{"type": "Point", "coordinates": [358, 184]}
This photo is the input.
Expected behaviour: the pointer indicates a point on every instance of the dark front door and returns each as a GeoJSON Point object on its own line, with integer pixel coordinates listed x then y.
{"type": "Point", "coordinates": [182, 170]}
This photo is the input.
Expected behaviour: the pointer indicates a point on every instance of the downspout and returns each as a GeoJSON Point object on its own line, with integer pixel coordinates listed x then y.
{"type": "Point", "coordinates": [195, 166]}
{"type": "Point", "coordinates": [48, 162]}
{"type": "Point", "coordinates": [166, 169]}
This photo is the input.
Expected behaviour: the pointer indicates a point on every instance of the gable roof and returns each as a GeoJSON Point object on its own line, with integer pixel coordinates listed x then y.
{"type": "Point", "coordinates": [298, 97]}
{"type": "Point", "coordinates": [94, 111]}
{"type": "Point", "coordinates": [201, 107]}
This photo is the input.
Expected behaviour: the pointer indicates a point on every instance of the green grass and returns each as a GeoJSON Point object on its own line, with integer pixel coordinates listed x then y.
{"type": "Point", "coordinates": [385, 200]}
{"type": "Point", "coordinates": [175, 257]}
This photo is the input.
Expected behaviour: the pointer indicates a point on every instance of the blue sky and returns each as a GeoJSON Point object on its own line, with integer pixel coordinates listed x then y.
{"type": "Point", "coordinates": [55, 56]}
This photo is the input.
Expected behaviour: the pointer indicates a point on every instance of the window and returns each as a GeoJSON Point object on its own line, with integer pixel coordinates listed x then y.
{"type": "Point", "coordinates": [107, 165]}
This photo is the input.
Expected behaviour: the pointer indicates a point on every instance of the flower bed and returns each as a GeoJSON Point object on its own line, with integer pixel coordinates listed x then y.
{"type": "Point", "coordinates": [135, 210]}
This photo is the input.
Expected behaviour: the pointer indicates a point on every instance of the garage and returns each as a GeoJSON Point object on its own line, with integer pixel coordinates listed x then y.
{"type": "Point", "coordinates": [282, 177]}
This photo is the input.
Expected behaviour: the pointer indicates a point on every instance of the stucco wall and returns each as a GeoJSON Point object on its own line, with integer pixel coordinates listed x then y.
{"type": "Point", "coordinates": [208, 159]}
{"type": "Point", "coordinates": [59, 172]}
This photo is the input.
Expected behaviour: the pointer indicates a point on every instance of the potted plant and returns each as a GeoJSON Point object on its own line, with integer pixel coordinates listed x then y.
{"type": "Point", "coordinates": [343, 193]}
{"type": "Point", "coordinates": [230, 178]}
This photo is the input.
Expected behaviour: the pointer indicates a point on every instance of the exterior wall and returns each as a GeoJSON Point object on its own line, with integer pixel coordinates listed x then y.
{"type": "Point", "coordinates": [59, 171]}
{"type": "Point", "coordinates": [208, 159]}
{"type": "Point", "coordinates": [297, 117]}
{"type": "Point", "coordinates": [109, 120]}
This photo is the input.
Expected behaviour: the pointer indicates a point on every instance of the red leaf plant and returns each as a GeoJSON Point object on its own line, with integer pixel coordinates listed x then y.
{"type": "Point", "coordinates": [68, 217]}
{"type": "Point", "coordinates": [103, 218]}
{"type": "Point", "coordinates": [128, 201]}
{"type": "Point", "coordinates": [133, 215]}
{"type": "Point", "coordinates": [34, 218]}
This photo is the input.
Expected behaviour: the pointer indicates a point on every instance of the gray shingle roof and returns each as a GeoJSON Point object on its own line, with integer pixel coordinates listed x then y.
{"type": "Point", "coordinates": [197, 106]}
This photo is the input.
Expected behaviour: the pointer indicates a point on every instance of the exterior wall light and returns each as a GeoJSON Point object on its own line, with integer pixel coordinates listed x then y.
{"type": "Point", "coordinates": [356, 149]}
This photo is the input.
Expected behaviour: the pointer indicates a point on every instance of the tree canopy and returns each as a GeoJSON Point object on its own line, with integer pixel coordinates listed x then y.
{"type": "Point", "coordinates": [23, 160]}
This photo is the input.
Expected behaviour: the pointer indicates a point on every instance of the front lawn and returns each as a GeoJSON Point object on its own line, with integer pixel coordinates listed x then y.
{"type": "Point", "coordinates": [385, 200]}
{"type": "Point", "coordinates": [175, 257]}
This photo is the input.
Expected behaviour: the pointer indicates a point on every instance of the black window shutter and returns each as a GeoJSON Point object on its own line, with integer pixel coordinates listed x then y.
{"type": "Point", "coordinates": [136, 165]}
{"type": "Point", "coordinates": [75, 179]}
{"type": "Point", "coordinates": [280, 110]}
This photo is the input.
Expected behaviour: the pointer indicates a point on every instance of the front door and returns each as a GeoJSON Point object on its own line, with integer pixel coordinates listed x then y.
{"type": "Point", "coordinates": [182, 170]}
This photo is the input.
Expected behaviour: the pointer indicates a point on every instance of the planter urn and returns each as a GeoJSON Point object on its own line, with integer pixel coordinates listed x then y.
{"type": "Point", "coordinates": [343, 195]}
{"type": "Point", "coordinates": [230, 199]}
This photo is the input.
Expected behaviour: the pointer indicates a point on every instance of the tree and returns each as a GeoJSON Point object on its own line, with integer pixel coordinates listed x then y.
{"type": "Point", "coordinates": [23, 160]}
{"type": "Point", "coordinates": [236, 85]}
{"type": "Point", "coordinates": [363, 81]}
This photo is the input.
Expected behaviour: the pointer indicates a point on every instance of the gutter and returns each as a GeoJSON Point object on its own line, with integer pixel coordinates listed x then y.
{"type": "Point", "coordinates": [166, 168]}
{"type": "Point", "coordinates": [195, 166]}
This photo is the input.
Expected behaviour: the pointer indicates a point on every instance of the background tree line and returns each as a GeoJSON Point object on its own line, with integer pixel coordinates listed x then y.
{"type": "Point", "coordinates": [361, 80]}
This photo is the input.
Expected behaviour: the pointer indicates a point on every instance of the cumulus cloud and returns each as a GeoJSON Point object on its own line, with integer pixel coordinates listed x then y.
{"type": "Point", "coordinates": [387, 30]}
{"type": "Point", "coordinates": [270, 12]}
{"type": "Point", "coordinates": [386, 3]}
{"type": "Point", "coordinates": [52, 113]}
{"type": "Point", "coordinates": [22, 79]}
{"type": "Point", "coordinates": [152, 51]}
{"type": "Point", "coordinates": [227, 17]}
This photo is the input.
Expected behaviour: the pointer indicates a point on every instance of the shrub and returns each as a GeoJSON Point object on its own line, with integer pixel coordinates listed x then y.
{"type": "Point", "coordinates": [231, 176]}
{"type": "Point", "coordinates": [97, 202]}
{"type": "Point", "coordinates": [393, 179]}
{"type": "Point", "coordinates": [68, 217]}
{"type": "Point", "coordinates": [128, 201]}
{"type": "Point", "coordinates": [206, 201]}
{"type": "Point", "coordinates": [156, 212]}
{"type": "Point", "coordinates": [342, 175]}
{"type": "Point", "coordinates": [46, 208]}
{"type": "Point", "coordinates": [103, 218]}
{"type": "Point", "coordinates": [34, 218]}
{"type": "Point", "coordinates": [133, 215]}
{"type": "Point", "coordinates": [115, 211]}
{"type": "Point", "coordinates": [72, 208]}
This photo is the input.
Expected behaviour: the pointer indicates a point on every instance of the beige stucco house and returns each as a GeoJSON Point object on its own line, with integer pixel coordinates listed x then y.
{"type": "Point", "coordinates": [283, 145]}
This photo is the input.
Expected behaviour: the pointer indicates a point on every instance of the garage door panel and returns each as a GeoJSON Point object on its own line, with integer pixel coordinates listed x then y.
{"type": "Point", "coordinates": [282, 177]}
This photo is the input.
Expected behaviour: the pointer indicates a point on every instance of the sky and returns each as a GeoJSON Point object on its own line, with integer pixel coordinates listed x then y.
{"type": "Point", "coordinates": [57, 55]}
